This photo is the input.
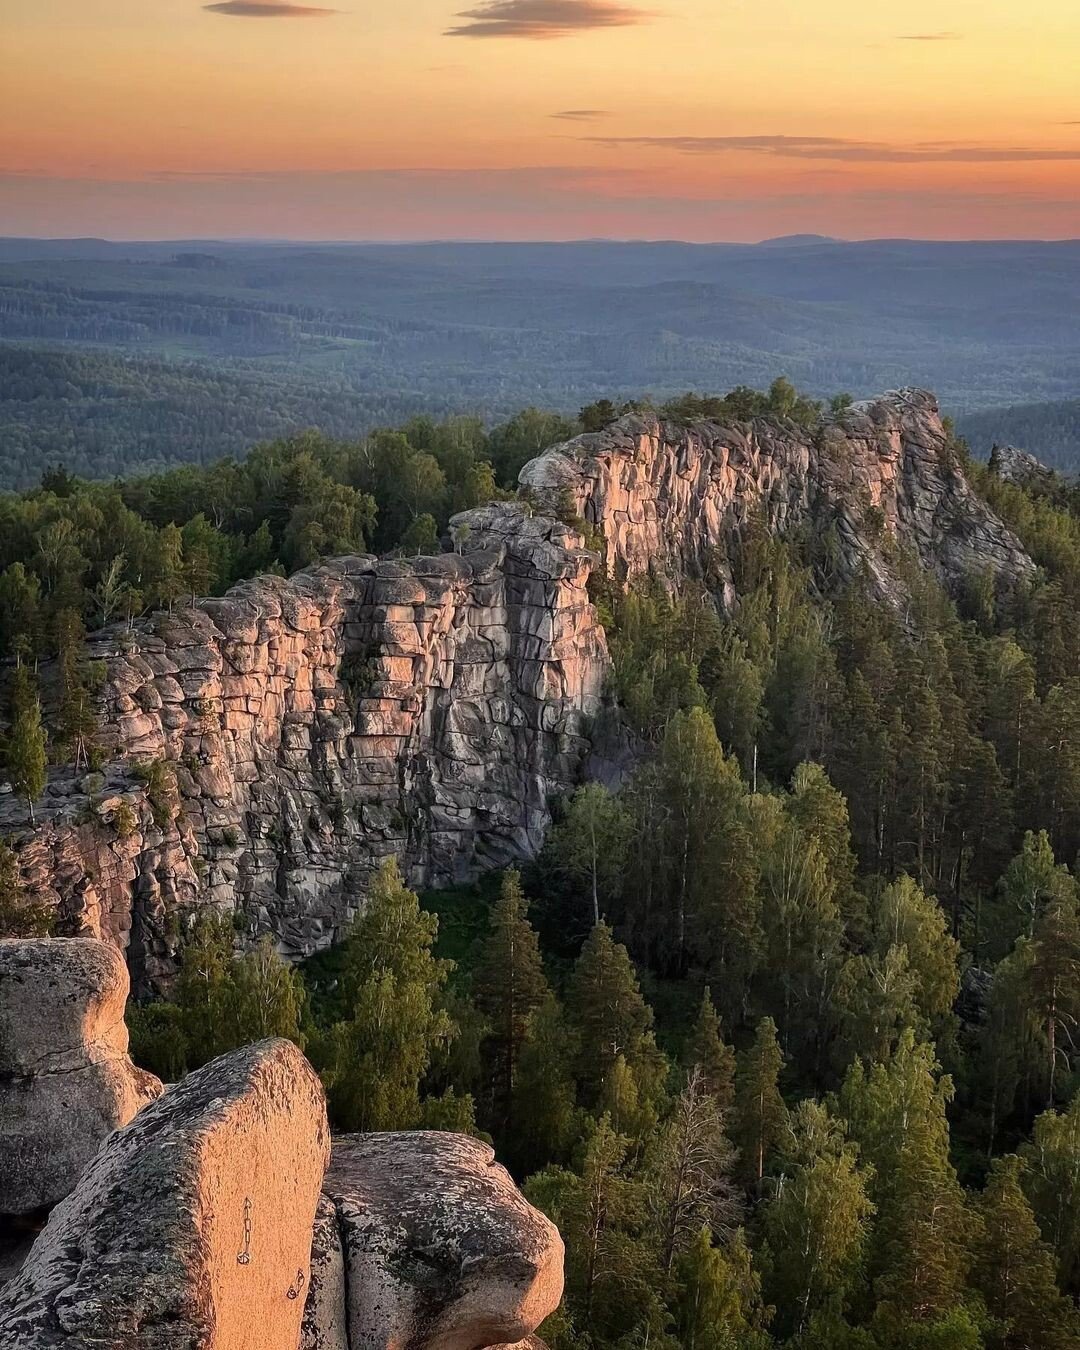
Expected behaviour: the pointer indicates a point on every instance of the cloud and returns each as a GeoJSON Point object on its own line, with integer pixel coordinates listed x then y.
{"type": "Point", "coordinates": [928, 37]}
{"type": "Point", "coordinates": [581, 114]}
{"type": "Point", "coordinates": [838, 149]}
{"type": "Point", "coordinates": [267, 9]}
{"type": "Point", "coordinates": [543, 18]}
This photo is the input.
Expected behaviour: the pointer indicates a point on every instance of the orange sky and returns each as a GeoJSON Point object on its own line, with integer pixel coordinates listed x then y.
{"type": "Point", "coordinates": [698, 119]}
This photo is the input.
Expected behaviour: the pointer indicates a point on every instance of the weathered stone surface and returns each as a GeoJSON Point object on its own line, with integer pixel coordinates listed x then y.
{"type": "Point", "coordinates": [325, 1318]}
{"type": "Point", "coordinates": [427, 708]}
{"type": "Point", "coordinates": [191, 1228]}
{"type": "Point", "coordinates": [66, 1080]}
{"type": "Point", "coordinates": [673, 499]}
{"type": "Point", "coordinates": [1018, 466]}
{"type": "Point", "coordinates": [441, 1250]}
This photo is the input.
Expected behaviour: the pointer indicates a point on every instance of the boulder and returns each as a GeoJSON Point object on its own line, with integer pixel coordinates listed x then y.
{"type": "Point", "coordinates": [441, 1251]}
{"type": "Point", "coordinates": [66, 1081]}
{"type": "Point", "coordinates": [191, 1228]}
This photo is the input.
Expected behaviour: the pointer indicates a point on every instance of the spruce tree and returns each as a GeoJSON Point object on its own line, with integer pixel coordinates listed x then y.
{"type": "Point", "coordinates": [708, 1052]}
{"type": "Point", "coordinates": [760, 1113]}
{"type": "Point", "coordinates": [1014, 1269]}
{"type": "Point", "coordinates": [508, 986]}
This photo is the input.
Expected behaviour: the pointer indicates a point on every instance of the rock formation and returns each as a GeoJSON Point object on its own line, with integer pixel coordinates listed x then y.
{"type": "Point", "coordinates": [1018, 466]}
{"type": "Point", "coordinates": [427, 1244]}
{"type": "Point", "coordinates": [192, 1225]}
{"type": "Point", "coordinates": [296, 732]}
{"type": "Point", "coordinates": [673, 499]}
{"type": "Point", "coordinates": [268, 748]}
{"type": "Point", "coordinates": [65, 1077]}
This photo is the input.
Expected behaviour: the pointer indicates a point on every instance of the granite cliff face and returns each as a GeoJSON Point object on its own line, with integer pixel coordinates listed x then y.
{"type": "Point", "coordinates": [294, 732]}
{"type": "Point", "coordinates": [673, 499]}
{"type": "Point", "coordinates": [299, 731]}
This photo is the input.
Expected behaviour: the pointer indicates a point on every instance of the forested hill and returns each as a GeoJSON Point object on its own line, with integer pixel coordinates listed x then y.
{"type": "Point", "coordinates": [780, 1026]}
{"type": "Point", "coordinates": [290, 336]}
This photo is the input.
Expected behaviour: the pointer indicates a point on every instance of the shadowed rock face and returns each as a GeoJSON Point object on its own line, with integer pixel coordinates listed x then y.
{"type": "Point", "coordinates": [430, 708]}
{"type": "Point", "coordinates": [66, 1081]}
{"type": "Point", "coordinates": [439, 1249]}
{"type": "Point", "coordinates": [192, 1226]}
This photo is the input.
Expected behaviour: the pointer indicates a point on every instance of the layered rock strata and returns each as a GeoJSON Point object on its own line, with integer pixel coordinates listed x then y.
{"type": "Point", "coordinates": [271, 747]}
{"type": "Point", "coordinates": [192, 1226]}
{"type": "Point", "coordinates": [66, 1081]}
{"type": "Point", "coordinates": [427, 1244]}
{"type": "Point", "coordinates": [882, 475]}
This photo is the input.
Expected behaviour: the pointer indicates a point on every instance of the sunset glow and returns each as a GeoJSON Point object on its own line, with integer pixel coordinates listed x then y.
{"type": "Point", "coordinates": [698, 119]}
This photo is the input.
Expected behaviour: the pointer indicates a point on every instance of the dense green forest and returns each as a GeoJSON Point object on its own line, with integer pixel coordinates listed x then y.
{"type": "Point", "coordinates": [783, 1033]}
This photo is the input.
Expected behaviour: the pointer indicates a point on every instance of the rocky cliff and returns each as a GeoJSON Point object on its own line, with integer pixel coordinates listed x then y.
{"type": "Point", "coordinates": [267, 748]}
{"type": "Point", "coordinates": [881, 474]}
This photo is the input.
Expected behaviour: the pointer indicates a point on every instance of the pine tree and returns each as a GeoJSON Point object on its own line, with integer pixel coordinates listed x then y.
{"type": "Point", "coordinates": [508, 986]}
{"type": "Point", "coordinates": [26, 755]}
{"type": "Point", "coordinates": [203, 987]}
{"type": "Point", "coordinates": [611, 1017]}
{"type": "Point", "coordinates": [21, 915]}
{"type": "Point", "coordinates": [760, 1113]}
{"type": "Point", "coordinates": [545, 1116]}
{"type": "Point", "coordinates": [708, 1052]}
{"type": "Point", "coordinates": [1014, 1269]}
{"type": "Point", "coordinates": [896, 1113]}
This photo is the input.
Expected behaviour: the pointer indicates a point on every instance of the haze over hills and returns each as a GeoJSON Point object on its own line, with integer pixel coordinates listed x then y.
{"type": "Point", "coordinates": [348, 336]}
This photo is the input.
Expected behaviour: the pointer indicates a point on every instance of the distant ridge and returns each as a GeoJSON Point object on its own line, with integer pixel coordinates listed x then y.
{"type": "Point", "coordinates": [799, 241]}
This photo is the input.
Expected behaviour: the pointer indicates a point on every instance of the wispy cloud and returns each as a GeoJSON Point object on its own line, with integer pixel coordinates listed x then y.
{"type": "Point", "coordinates": [543, 18]}
{"type": "Point", "coordinates": [267, 9]}
{"type": "Point", "coordinates": [837, 148]}
{"type": "Point", "coordinates": [928, 37]}
{"type": "Point", "coordinates": [581, 114]}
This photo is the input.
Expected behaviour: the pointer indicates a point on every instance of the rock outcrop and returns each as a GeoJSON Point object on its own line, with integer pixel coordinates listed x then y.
{"type": "Point", "coordinates": [192, 1226]}
{"type": "Point", "coordinates": [265, 750]}
{"type": "Point", "coordinates": [673, 499]}
{"type": "Point", "coordinates": [1018, 466]}
{"type": "Point", "coordinates": [66, 1081]}
{"type": "Point", "coordinates": [427, 1244]}
{"type": "Point", "coordinates": [293, 733]}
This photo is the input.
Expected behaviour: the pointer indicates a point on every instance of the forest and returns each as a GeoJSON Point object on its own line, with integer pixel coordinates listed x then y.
{"type": "Point", "coordinates": [783, 1033]}
{"type": "Point", "coordinates": [129, 358]}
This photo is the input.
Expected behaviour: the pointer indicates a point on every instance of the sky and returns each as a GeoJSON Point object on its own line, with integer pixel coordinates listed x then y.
{"type": "Point", "coordinates": [540, 119]}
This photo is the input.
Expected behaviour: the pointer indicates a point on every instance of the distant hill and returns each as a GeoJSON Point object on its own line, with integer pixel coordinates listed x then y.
{"type": "Point", "coordinates": [1050, 431]}
{"type": "Point", "coordinates": [342, 335]}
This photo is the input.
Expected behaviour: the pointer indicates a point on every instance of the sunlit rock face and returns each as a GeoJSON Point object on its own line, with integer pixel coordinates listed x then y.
{"type": "Point", "coordinates": [426, 708]}
{"type": "Point", "coordinates": [431, 708]}
{"type": "Point", "coordinates": [66, 1081]}
{"type": "Point", "coordinates": [875, 481]}
{"type": "Point", "coordinates": [192, 1225]}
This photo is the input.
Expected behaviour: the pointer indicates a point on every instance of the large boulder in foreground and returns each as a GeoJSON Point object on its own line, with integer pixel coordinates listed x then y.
{"type": "Point", "coordinates": [191, 1228]}
{"type": "Point", "coordinates": [66, 1080]}
{"type": "Point", "coordinates": [441, 1251]}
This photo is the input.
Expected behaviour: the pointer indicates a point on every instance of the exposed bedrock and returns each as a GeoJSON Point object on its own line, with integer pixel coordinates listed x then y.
{"type": "Point", "coordinates": [191, 1228]}
{"type": "Point", "coordinates": [310, 727]}
{"type": "Point", "coordinates": [423, 1242]}
{"type": "Point", "coordinates": [430, 708]}
{"type": "Point", "coordinates": [673, 499]}
{"type": "Point", "coordinates": [66, 1081]}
